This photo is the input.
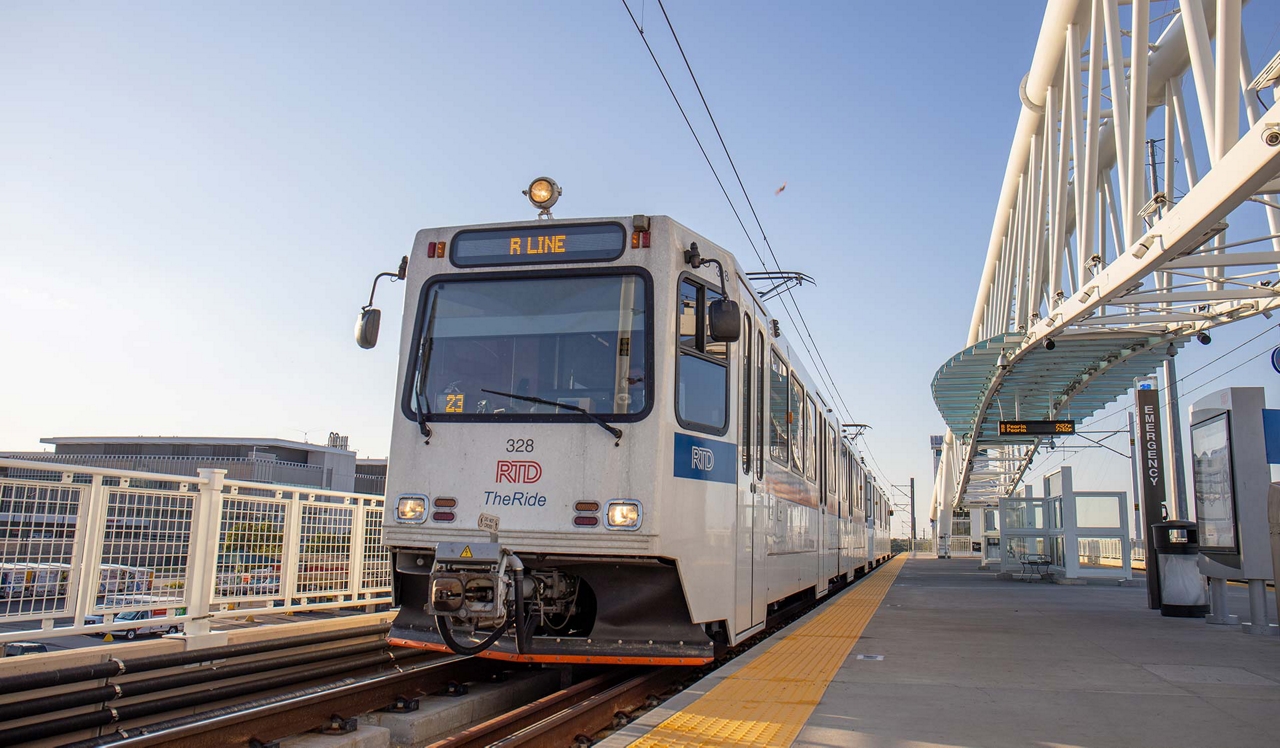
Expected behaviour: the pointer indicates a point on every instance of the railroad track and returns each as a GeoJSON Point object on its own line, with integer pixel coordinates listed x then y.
{"type": "Point", "coordinates": [333, 704]}
{"type": "Point", "coordinates": [573, 715]}
{"type": "Point", "coordinates": [312, 682]}
{"type": "Point", "coordinates": [225, 695]}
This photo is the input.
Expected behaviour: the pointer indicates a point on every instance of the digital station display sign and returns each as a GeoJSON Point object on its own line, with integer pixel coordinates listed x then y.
{"type": "Point", "coordinates": [538, 245]}
{"type": "Point", "coordinates": [1037, 428]}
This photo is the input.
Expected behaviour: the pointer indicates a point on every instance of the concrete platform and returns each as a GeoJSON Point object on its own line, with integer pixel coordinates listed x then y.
{"type": "Point", "coordinates": [969, 660]}
{"type": "Point", "coordinates": [972, 661]}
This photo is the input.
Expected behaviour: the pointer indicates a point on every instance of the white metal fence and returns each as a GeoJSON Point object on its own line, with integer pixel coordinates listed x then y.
{"type": "Point", "coordinates": [87, 549]}
{"type": "Point", "coordinates": [238, 468]}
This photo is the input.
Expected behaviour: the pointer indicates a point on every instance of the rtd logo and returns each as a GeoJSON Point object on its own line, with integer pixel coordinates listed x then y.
{"type": "Point", "coordinates": [703, 459]}
{"type": "Point", "coordinates": [518, 471]}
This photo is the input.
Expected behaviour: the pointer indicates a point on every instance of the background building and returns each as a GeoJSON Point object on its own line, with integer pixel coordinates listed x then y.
{"type": "Point", "coordinates": [280, 461]}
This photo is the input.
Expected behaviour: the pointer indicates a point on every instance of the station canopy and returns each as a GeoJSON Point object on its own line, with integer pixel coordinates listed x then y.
{"type": "Point", "coordinates": [1001, 378]}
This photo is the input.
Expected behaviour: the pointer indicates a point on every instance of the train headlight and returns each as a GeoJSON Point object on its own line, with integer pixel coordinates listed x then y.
{"type": "Point", "coordinates": [543, 192]}
{"type": "Point", "coordinates": [411, 508]}
{"type": "Point", "coordinates": [623, 515]}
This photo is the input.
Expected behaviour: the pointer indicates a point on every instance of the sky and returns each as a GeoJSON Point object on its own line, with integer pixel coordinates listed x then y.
{"type": "Point", "coordinates": [194, 199]}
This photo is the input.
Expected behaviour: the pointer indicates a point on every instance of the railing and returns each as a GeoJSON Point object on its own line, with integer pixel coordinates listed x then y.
{"type": "Point", "coordinates": [238, 468]}
{"type": "Point", "coordinates": [371, 484]}
{"type": "Point", "coordinates": [88, 549]}
{"type": "Point", "coordinates": [1108, 552]}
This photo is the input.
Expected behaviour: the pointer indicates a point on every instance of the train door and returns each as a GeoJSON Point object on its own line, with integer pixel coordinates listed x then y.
{"type": "Point", "coordinates": [826, 549]}
{"type": "Point", "coordinates": [744, 543]}
{"type": "Point", "coordinates": [749, 597]}
{"type": "Point", "coordinates": [762, 507]}
{"type": "Point", "coordinates": [831, 504]}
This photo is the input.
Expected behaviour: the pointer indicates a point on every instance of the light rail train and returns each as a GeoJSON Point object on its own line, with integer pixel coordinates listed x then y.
{"type": "Point", "coordinates": [604, 451]}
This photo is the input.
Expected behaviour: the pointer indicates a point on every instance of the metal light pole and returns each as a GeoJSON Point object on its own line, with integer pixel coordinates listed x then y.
{"type": "Point", "coordinates": [913, 515]}
{"type": "Point", "coordinates": [911, 484]}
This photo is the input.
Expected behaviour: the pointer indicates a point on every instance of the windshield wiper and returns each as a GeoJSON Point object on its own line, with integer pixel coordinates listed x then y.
{"type": "Point", "coordinates": [614, 430]}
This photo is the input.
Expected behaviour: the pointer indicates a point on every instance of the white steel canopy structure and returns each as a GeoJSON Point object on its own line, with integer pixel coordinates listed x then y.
{"type": "Point", "coordinates": [1103, 259]}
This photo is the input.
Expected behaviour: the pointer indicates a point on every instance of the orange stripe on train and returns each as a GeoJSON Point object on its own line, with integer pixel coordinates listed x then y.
{"type": "Point", "coordinates": [561, 659]}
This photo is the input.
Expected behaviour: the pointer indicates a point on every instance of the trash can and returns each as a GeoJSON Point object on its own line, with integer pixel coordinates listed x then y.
{"type": "Point", "coordinates": [1183, 593]}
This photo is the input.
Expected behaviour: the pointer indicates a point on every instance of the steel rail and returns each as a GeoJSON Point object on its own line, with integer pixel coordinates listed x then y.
{"type": "Point", "coordinates": [111, 714]}
{"type": "Point", "coordinates": [113, 667]}
{"type": "Point", "coordinates": [532, 713]}
{"type": "Point", "coordinates": [109, 693]}
{"type": "Point", "coordinates": [270, 718]}
{"type": "Point", "coordinates": [583, 709]}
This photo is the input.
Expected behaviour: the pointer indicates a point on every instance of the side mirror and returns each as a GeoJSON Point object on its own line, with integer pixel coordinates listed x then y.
{"type": "Point", "coordinates": [724, 321]}
{"type": "Point", "coordinates": [367, 327]}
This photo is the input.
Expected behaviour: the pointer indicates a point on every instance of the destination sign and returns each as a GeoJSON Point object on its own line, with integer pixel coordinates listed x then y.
{"type": "Point", "coordinates": [599, 242]}
{"type": "Point", "coordinates": [1037, 428]}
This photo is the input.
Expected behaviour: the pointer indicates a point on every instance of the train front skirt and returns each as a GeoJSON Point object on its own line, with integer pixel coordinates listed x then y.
{"type": "Point", "coordinates": [641, 619]}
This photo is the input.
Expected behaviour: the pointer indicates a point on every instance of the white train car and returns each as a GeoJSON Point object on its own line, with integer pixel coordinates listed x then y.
{"type": "Point", "coordinates": [613, 397]}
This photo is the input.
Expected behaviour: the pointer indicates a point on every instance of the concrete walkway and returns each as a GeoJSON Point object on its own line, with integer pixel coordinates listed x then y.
{"type": "Point", "coordinates": [972, 661]}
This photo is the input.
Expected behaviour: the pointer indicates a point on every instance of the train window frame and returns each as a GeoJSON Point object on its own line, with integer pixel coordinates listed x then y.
{"type": "Point", "coordinates": [832, 475]}
{"type": "Point", "coordinates": [782, 372]}
{"type": "Point", "coordinates": [410, 371]}
{"type": "Point", "coordinates": [795, 418]}
{"type": "Point", "coordinates": [813, 456]}
{"type": "Point", "coordinates": [699, 351]}
{"type": "Point", "coordinates": [846, 484]}
{"type": "Point", "coordinates": [747, 428]}
{"type": "Point", "coordinates": [761, 402]}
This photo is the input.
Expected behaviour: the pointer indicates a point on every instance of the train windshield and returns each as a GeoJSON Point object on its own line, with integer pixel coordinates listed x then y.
{"type": "Point", "coordinates": [492, 348]}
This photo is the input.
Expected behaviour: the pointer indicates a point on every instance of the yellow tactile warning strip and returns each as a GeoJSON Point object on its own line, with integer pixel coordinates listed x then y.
{"type": "Point", "coordinates": [767, 702]}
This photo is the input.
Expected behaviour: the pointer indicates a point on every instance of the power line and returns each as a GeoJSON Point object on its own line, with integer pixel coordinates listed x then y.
{"type": "Point", "coordinates": [694, 133]}
{"type": "Point", "coordinates": [815, 355]}
{"type": "Point", "coordinates": [1228, 353]}
{"type": "Point", "coordinates": [1228, 371]}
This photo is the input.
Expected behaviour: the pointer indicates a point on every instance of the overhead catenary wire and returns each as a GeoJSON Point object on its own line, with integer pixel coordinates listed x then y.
{"type": "Point", "coordinates": [820, 364]}
{"type": "Point", "coordinates": [692, 131]}
{"type": "Point", "coordinates": [806, 340]}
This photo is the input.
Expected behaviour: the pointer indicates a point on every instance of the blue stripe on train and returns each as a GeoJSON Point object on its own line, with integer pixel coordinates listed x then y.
{"type": "Point", "coordinates": [705, 459]}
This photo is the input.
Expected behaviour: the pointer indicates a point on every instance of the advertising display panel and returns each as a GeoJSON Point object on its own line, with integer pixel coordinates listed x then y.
{"type": "Point", "coordinates": [1214, 487]}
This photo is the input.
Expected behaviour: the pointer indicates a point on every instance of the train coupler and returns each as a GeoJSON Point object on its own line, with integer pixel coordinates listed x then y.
{"type": "Point", "coordinates": [478, 586]}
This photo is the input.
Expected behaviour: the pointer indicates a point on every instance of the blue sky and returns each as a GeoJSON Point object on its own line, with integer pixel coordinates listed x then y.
{"type": "Point", "coordinates": [194, 199]}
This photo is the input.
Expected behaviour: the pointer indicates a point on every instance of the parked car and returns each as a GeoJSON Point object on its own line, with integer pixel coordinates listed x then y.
{"type": "Point", "coordinates": [143, 618]}
{"type": "Point", "coordinates": [15, 649]}
{"type": "Point", "coordinates": [252, 583]}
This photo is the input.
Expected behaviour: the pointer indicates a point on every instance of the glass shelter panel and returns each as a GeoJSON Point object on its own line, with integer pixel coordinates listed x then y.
{"type": "Point", "coordinates": [1024, 514]}
{"type": "Point", "coordinates": [1097, 511]}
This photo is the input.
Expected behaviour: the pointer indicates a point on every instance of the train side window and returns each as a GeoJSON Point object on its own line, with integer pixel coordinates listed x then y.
{"type": "Point", "coordinates": [846, 486]}
{"type": "Point", "coordinates": [761, 405]}
{"type": "Point", "coordinates": [811, 441]}
{"type": "Point", "coordinates": [831, 461]}
{"type": "Point", "coordinates": [795, 421]}
{"type": "Point", "coordinates": [702, 372]}
{"type": "Point", "coordinates": [779, 416]}
{"type": "Point", "coordinates": [747, 393]}
{"type": "Point", "coordinates": [707, 345]}
{"type": "Point", "coordinates": [687, 314]}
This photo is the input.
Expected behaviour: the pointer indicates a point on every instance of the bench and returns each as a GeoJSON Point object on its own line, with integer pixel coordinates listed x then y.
{"type": "Point", "coordinates": [1034, 563]}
